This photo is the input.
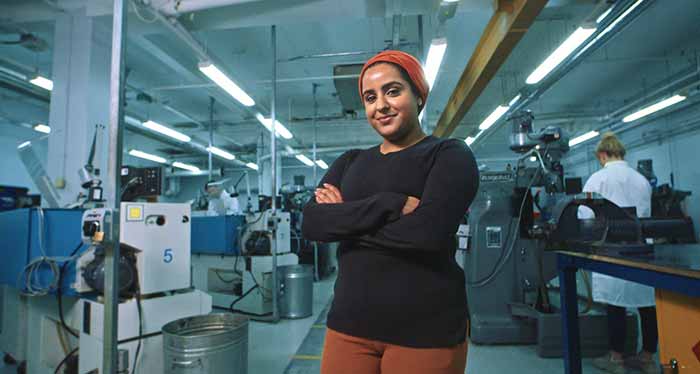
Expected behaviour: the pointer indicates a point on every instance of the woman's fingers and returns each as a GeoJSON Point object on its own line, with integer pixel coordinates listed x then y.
{"type": "Point", "coordinates": [321, 197]}
{"type": "Point", "coordinates": [328, 196]}
{"type": "Point", "coordinates": [338, 197]}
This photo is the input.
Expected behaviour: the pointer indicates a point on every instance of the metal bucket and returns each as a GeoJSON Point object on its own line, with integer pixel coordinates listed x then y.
{"type": "Point", "coordinates": [207, 344]}
{"type": "Point", "coordinates": [296, 291]}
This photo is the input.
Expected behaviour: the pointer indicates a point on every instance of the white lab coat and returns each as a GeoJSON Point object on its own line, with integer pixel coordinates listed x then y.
{"type": "Point", "coordinates": [625, 187]}
{"type": "Point", "coordinates": [223, 205]}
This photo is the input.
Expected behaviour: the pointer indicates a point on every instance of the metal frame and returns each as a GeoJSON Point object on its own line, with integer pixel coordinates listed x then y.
{"type": "Point", "coordinates": [568, 265]}
{"type": "Point", "coordinates": [116, 133]}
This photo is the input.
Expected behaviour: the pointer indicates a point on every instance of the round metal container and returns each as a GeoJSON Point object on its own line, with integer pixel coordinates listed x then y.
{"type": "Point", "coordinates": [296, 291]}
{"type": "Point", "coordinates": [211, 344]}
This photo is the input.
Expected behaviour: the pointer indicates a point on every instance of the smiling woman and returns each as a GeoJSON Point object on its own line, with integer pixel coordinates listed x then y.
{"type": "Point", "coordinates": [400, 302]}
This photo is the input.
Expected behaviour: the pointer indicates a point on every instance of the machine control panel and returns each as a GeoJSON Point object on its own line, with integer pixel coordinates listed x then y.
{"type": "Point", "coordinates": [97, 225]}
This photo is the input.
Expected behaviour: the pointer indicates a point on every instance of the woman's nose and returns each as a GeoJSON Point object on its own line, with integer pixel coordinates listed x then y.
{"type": "Point", "coordinates": [382, 104]}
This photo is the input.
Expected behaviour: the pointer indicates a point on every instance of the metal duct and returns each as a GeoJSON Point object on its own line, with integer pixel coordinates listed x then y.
{"type": "Point", "coordinates": [347, 87]}
{"type": "Point", "coordinates": [38, 174]}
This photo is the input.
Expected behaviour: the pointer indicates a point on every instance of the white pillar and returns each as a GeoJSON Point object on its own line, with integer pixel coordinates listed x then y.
{"type": "Point", "coordinates": [79, 100]}
{"type": "Point", "coordinates": [267, 175]}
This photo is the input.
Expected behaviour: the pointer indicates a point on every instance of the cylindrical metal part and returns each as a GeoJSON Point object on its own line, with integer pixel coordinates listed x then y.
{"type": "Point", "coordinates": [123, 361]}
{"type": "Point", "coordinates": [296, 291]}
{"type": "Point", "coordinates": [206, 344]}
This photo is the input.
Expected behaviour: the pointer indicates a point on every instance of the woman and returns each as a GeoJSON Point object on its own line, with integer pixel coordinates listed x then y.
{"type": "Point", "coordinates": [400, 301]}
{"type": "Point", "coordinates": [625, 187]}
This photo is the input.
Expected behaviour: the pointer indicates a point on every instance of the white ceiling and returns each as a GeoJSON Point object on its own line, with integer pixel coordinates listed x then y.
{"type": "Point", "coordinates": [238, 36]}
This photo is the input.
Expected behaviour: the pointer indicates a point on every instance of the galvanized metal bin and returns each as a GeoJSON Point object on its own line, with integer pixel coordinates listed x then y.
{"type": "Point", "coordinates": [296, 291]}
{"type": "Point", "coordinates": [207, 344]}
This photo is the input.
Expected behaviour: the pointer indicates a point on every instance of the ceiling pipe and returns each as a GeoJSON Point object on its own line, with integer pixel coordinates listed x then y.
{"type": "Point", "coordinates": [193, 146]}
{"type": "Point", "coordinates": [601, 37]}
{"type": "Point", "coordinates": [178, 7]}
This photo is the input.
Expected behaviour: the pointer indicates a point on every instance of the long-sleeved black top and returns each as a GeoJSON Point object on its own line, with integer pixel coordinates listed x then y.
{"type": "Point", "coordinates": [398, 281]}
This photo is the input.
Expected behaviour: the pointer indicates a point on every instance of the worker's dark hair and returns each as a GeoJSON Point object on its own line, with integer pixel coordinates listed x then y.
{"type": "Point", "coordinates": [611, 146]}
{"type": "Point", "coordinates": [406, 77]}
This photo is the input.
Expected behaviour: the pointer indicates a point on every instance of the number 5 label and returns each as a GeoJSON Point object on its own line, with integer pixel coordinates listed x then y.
{"type": "Point", "coordinates": [168, 256]}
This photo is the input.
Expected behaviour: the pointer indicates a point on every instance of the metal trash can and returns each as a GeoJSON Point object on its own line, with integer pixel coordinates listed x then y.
{"type": "Point", "coordinates": [206, 344]}
{"type": "Point", "coordinates": [296, 290]}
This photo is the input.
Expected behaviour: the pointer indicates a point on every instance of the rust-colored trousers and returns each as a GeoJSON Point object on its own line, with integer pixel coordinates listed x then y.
{"type": "Point", "coordinates": [345, 354]}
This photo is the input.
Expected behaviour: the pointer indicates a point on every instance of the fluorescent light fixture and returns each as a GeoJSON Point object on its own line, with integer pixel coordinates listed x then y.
{"type": "Point", "coordinates": [305, 160]}
{"type": "Point", "coordinates": [280, 130]}
{"type": "Point", "coordinates": [189, 167]}
{"type": "Point", "coordinates": [157, 127]}
{"type": "Point", "coordinates": [450, 1]}
{"type": "Point", "coordinates": [42, 82]}
{"type": "Point", "coordinates": [603, 15]}
{"type": "Point", "coordinates": [322, 164]}
{"type": "Point", "coordinates": [132, 121]}
{"type": "Point", "coordinates": [13, 73]}
{"type": "Point", "coordinates": [252, 165]}
{"type": "Point", "coordinates": [290, 150]}
{"type": "Point", "coordinates": [40, 127]}
{"type": "Point", "coordinates": [221, 153]}
{"type": "Point", "coordinates": [565, 49]}
{"type": "Point", "coordinates": [25, 144]}
{"type": "Point", "coordinates": [514, 100]}
{"type": "Point", "coordinates": [435, 55]}
{"type": "Point", "coordinates": [610, 27]}
{"type": "Point", "coordinates": [218, 77]}
{"type": "Point", "coordinates": [147, 156]}
{"type": "Point", "coordinates": [582, 138]}
{"type": "Point", "coordinates": [654, 108]}
{"type": "Point", "coordinates": [533, 158]}
{"type": "Point", "coordinates": [620, 18]}
{"type": "Point", "coordinates": [493, 117]}
{"type": "Point", "coordinates": [471, 139]}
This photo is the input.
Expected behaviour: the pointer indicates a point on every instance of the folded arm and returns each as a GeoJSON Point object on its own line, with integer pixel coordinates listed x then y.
{"type": "Point", "coordinates": [346, 220]}
{"type": "Point", "coordinates": [449, 190]}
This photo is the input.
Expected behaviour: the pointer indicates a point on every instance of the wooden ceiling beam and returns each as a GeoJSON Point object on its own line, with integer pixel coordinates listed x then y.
{"type": "Point", "coordinates": [509, 23]}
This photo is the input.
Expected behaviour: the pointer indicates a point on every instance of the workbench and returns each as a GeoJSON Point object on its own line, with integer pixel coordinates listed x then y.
{"type": "Point", "coordinates": [673, 270]}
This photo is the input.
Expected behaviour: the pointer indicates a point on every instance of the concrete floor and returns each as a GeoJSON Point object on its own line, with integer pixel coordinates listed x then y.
{"type": "Point", "coordinates": [294, 347]}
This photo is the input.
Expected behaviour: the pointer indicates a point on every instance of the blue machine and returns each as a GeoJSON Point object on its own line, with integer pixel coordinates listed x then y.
{"type": "Point", "coordinates": [217, 235]}
{"type": "Point", "coordinates": [20, 229]}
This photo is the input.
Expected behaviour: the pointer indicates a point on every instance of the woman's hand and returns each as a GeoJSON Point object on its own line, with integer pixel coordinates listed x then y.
{"type": "Point", "coordinates": [330, 194]}
{"type": "Point", "coordinates": [410, 206]}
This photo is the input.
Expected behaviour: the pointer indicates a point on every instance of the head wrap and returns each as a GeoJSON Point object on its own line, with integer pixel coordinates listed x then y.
{"type": "Point", "coordinates": [409, 63]}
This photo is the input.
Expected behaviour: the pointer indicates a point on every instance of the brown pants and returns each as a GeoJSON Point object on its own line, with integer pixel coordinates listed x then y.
{"type": "Point", "coordinates": [345, 354]}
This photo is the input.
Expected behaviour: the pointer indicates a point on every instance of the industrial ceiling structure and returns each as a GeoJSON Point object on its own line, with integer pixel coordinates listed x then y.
{"type": "Point", "coordinates": [320, 46]}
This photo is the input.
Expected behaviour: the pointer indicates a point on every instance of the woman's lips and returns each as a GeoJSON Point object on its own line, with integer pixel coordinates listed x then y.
{"type": "Point", "coordinates": [385, 120]}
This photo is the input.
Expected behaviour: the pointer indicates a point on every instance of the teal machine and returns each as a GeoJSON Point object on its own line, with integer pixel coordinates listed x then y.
{"type": "Point", "coordinates": [232, 259]}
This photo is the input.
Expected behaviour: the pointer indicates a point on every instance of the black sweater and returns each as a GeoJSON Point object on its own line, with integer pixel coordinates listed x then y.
{"type": "Point", "coordinates": [398, 281]}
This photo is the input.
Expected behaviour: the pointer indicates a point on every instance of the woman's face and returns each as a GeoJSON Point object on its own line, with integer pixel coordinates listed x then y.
{"type": "Point", "coordinates": [391, 106]}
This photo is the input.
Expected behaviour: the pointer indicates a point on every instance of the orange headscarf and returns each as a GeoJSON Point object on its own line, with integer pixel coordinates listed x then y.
{"type": "Point", "coordinates": [409, 63]}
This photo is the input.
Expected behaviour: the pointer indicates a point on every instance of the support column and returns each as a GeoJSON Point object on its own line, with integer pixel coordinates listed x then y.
{"type": "Point", "coordinates": [79, 101]}
{"type": "Point", "coordinates": [267, 175]}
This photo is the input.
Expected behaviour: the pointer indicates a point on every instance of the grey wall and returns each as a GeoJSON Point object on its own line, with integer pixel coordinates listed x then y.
{"type": "Point", "coordinates": [672, 142]}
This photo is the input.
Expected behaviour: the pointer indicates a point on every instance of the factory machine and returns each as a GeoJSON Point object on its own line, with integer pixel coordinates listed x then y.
{"type": "Point", "coordinates": [52, 292]}
{"type": "Point", "coordinates": [516, 221]}
{"type": "Point", "coordinates": [232, 258]}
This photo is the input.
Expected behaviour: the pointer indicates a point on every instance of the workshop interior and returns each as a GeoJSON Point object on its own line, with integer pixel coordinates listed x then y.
{"type": "Point", "coordinates": [157, 157]}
